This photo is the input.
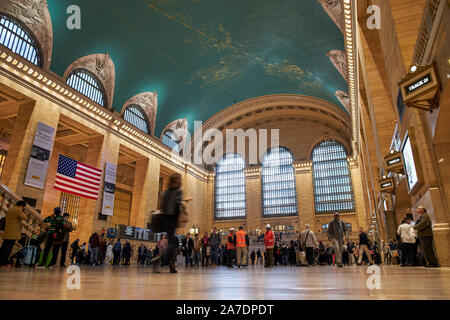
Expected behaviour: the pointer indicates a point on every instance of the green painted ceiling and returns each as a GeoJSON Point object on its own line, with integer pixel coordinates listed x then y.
{"type": "Point", "coordinates": [202, 56]}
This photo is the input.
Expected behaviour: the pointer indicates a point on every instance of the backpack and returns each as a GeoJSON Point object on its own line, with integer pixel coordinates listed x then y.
{"type": "Point", "coordinates": [59, 235]}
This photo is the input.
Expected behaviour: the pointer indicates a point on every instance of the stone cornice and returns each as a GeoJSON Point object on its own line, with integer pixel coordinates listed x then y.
{"type": "Point", "coordinates": [52, 88]}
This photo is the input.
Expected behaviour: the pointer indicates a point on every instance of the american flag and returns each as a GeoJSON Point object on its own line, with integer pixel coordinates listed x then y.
{"type": "Point", "coordinates": [77, 178]}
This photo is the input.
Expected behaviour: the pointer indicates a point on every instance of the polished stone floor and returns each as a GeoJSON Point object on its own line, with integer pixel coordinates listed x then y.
{"type": "Point", "coordinates": [255, 282]}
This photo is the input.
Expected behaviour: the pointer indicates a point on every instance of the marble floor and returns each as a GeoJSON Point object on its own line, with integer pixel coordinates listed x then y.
{"type": "Point", "coordinates": [255, 282]}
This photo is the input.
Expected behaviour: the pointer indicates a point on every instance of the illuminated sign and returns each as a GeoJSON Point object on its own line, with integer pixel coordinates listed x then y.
{"type": "Point", "coordinates": [387, 185]}
{"type": "Point", "coordinates": [393, 162]}
{"type": "Point", "coordinates": [420, 89]}
{"type": "Point", "coordinates": [135, 233]}
{"type": "Point", "coordinates": [409, 164]}
{"type": "Point", "coordinates": [418, 84]}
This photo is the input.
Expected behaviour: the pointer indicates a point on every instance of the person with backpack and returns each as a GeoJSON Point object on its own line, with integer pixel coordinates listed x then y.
{"type": "Point", "coordinates": [12, 231]}
{"type": "Point", "coordinates": [67, 228]}
{"type": "Point", "coordinates": [55, 237]}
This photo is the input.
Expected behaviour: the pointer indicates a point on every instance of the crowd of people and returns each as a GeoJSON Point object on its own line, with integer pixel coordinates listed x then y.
{"type": "Point", "coordinates": [412, 247]}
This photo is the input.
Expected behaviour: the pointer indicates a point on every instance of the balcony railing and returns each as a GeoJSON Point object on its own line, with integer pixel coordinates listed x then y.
{"type": "Point", "coordinates": [31, 224]}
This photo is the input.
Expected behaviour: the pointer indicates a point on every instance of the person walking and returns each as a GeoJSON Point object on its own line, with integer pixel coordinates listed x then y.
{"type": "Point", "coordinates": [407, 235]}
{"type": "Point", "coordinates": [13, 230]}
{"type": "Point", "coordinates": [241, 247]}
{"type": "Point", "coordinates": [364, 244]}
{"type": "Point", "coordinates": [231, 248]}
{"type": "Point", "coordinates": [336, 233]}
{"type": "Point", "coordinates": [269, 240]}
{"type": "Point", "coordinates": [215, 241]}
{"type": "Point", "coordinates": [172, 205]}
{"type": "Point", "coordinates": [67, 228]}
{"type": "Point", "coordinates": [425, 233]}
{"type": "Point", "coordinates": [94, 243]}
{"type": "Point", "coordinates": [117, 249]}
{"type": "Point", "coordinates": [309, 242]}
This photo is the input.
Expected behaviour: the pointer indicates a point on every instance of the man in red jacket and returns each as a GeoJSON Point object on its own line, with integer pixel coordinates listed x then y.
{"type": "Point", "coordinates": [269, 241]}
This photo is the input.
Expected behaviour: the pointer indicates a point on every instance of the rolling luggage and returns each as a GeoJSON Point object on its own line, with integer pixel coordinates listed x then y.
{"type": "Point", "coordinates": [30, 256]}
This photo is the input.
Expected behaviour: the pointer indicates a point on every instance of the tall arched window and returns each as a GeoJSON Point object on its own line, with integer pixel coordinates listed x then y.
{"type": "Point", "coordinates": [134, 115]}
{"type": "Point", "coordinates": [278, 183]}
{"type": "Point", "coordinates": [333, 190]}
{"type": "Point", "coordinates": [170, 140]}
{"type": "Point", "coordinates": [86, 83]}
{"type": "Point", "coordinates": [16, 38]}
{"type": "Point", "coordinates": [230, 188]}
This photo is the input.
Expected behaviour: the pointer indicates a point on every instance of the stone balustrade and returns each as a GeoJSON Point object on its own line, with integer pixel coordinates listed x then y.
{"type": "Point", "coordinates": [33, 221]}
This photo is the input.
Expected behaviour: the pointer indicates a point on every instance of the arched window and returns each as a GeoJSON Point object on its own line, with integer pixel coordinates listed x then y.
{"type": "Point", "coordinates": [134, 115]}
{"type": "Point", "coordinates": [170, 140]}
{"type": "Point", "coordinates": [86, 83]}
{"type": "Point", "coordinates": [333, 190]}
{"type": "Point", "coordinates": [278, 183]}
{"type": "Point", "coordinates": [16, 38]}
{"type": "Point", "coordinates": [230, 188]}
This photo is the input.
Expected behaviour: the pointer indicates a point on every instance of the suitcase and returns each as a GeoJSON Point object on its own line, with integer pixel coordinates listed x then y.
{"type": "Point", "coordinates": [30, 256]}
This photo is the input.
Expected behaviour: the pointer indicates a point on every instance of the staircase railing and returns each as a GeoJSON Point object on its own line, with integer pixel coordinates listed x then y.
{"type": "Point", "coordinates": [33, 221]}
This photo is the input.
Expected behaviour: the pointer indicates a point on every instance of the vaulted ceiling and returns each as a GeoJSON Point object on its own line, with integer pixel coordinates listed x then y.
{"type": "Point", "coordinates": [202, 56]}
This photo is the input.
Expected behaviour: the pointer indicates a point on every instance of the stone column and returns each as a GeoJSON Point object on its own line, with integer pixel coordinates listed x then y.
{"type": "Point", "coordinates": [145, 191]}
{"type": "Point", "coordinates": [305, 195]}
{"type": "Point", "coordinates": [253, 198]}
{"type": "Point", "coordinates": [358, 193]}
{"type": "Point", "coordinates": [28, 116]}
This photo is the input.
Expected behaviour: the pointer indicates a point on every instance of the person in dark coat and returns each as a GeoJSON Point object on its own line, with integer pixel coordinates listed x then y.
{"type": "Point", "coordinates": [126, 254]}
{"type": "Point", "coordinates": [75, 247]}
{"type": "Point", "coordinates": [187, 247]}
{"type": "Point", "coordinates": [253, 256]}
{"type": "Point", "coordinates": [425, 233]}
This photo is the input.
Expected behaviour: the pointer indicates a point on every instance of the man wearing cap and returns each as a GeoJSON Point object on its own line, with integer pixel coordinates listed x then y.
{"type": "Point", "coordinates": [241, 247]}
{"type": "Point", "coordinates": [54, 223]}
{"type": "Point", "coordinates": [269, 240]}
{"type": "Point", "coordinates": [231, 247]}
{"type": "Point", "coordinates": [425, 233]}
{"type": "Point", "coordinates": [336, 232]}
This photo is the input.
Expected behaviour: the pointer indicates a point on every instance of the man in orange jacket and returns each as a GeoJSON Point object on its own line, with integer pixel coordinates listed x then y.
{"type": "Point", "coordinates": [241, 247]}
{"type": "Point", "coordinates": [269, 240]}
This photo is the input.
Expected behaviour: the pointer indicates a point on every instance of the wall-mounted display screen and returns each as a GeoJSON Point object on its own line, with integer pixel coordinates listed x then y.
{"type": "Point", "coordinates": [409, 163]}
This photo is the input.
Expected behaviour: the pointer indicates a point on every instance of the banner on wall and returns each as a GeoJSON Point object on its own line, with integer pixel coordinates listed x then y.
{"type": "Point", "coordinates": [40, 156]}
{"type": "Point", "coordinates": [110, 186]}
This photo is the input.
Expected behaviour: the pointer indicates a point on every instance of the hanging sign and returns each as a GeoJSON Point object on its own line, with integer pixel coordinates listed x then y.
{"type": "Point", "coordinates": [109, 188]}
{"type": "Point", "coordinates": [40, 155]}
